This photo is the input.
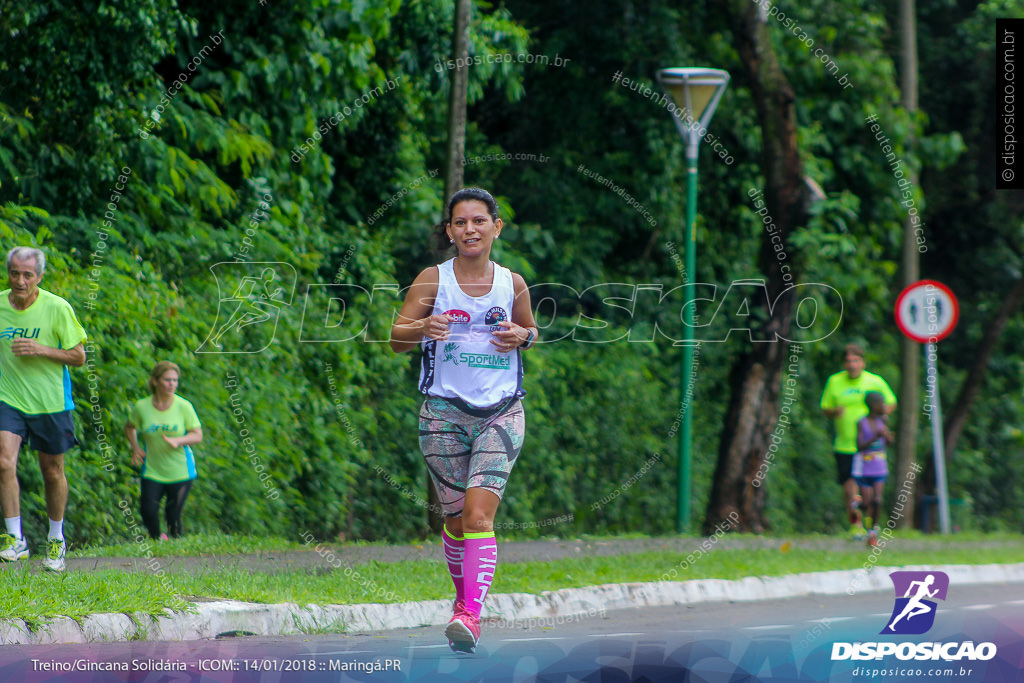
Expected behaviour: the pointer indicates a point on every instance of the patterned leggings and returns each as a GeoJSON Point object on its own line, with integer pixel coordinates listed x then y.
{"type": "Point", "coordinates": [469, 447]}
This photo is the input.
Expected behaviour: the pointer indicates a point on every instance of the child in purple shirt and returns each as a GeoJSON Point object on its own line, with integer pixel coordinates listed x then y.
{"type": "Point", "coordinates": [869, 466]}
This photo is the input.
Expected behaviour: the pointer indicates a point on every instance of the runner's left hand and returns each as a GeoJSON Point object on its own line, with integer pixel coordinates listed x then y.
{"type": "Point", "coordinates": [513, 336]}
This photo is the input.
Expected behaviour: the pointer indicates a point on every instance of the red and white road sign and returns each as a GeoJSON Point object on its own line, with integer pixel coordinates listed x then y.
{"type": "Point", "coordinates": [927, 311]}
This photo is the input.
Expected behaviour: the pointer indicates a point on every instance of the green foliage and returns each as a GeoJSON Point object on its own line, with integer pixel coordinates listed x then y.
{"type": "Point", "coordinates": [138, 174]}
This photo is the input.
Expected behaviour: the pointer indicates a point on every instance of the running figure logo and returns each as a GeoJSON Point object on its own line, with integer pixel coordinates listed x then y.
{"type": "Point", "coordinates": [449, 353]}
{"type": "Point", "coordinates": [247, 319]}
{"type": "Point", "coordinates": [913, 613]}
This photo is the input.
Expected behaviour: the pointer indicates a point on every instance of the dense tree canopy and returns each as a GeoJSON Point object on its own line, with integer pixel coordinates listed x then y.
{"type": "Point", "coordinates": [142, 142]}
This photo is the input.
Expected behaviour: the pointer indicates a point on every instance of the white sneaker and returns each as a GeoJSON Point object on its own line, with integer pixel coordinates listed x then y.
{"type": "Point", "coordinates": [56, 549]}
{"type": "Point", "coordinates": [12, 549]}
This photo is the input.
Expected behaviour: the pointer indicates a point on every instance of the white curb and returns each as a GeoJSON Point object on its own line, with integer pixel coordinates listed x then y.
{"type": "Point", "coordinates": [212, 618]}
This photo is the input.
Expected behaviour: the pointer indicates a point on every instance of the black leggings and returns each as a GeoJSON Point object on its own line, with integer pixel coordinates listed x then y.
{"type": "Point", "coordinates": [152, 492]}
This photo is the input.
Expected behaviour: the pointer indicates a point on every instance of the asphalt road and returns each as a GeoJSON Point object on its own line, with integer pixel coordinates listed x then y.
{"type": "Point", "coordinates": [770, 641]}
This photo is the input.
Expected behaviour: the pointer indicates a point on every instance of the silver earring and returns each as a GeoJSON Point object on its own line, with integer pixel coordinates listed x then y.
{"type": "Point", "coordinates": [451, 241]}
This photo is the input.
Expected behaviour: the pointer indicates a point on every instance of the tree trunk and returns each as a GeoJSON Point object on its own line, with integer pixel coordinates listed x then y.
{"type": "Point", "coordinates": [906, 444]}
{"type": "Point", "coordinates": [458, 87]}
{"type": "Point", "coordinates": [755, 377]}
{"type": "Point", "coordinates": [957, 417]}
{"type": "Point", "coordinates": [456, 153]}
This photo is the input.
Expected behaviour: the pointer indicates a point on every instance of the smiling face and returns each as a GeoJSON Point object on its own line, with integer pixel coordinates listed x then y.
{"type": "Point", "coordinates": [472, 228]}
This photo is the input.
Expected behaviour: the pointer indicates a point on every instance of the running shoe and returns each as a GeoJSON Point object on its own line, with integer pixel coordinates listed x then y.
{"type": "Point", "coordinates": [56, 549]}
{"type": "Point", "coordinates": [857, 532]}
{"type": "Point", "coordinates": [463, 632]}
{"type": "Point", "coordinates": [12, 549]}
{"type": "Point", "coordinates": [458, 608]}
{"type": "Point", "coordinates": [873, 538]}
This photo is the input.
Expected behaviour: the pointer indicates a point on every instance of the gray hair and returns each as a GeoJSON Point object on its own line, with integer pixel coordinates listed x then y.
{"type": "Point", "coordinates": [25, 253]}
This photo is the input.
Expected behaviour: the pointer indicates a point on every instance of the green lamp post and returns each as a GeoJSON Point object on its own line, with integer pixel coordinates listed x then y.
{"type": "Point", "coordinates": [696, 93]}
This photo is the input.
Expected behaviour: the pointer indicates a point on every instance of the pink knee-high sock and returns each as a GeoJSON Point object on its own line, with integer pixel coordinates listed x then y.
{"type": "Point", "coordinates": [454, 553]}
{"type": "Point", "coordinates": [479, 565]}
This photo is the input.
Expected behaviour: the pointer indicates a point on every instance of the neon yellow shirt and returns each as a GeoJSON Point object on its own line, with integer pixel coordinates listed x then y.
{"type": "Point", "coordinates": [840, 390]}
{"type": "Point", "coordinates": [165, 464]}
{"type": "Point", "coordinates": [32, 384]}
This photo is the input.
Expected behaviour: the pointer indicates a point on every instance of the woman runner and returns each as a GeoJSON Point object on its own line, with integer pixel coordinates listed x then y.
{"type": "Point", "coordinates": [167, 426]}
{"type": "Point", "coordinates": [472, 318]}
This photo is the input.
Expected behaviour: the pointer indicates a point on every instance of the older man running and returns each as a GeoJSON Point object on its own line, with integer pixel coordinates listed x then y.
{"type": "Point", "coordinates": [39, 337]}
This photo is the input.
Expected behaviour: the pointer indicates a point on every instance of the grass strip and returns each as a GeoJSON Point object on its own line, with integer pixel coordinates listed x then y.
{"type": "Point", "coordinates": [37, 596]}
{"type": "Point", "coordinates": [193, 544]}
{"type": "Point", "coordinates": [225, 544]}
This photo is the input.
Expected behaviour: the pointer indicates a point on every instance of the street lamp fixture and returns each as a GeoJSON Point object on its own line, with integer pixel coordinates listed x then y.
{"type": "Point", "coordinates": [696, 93]}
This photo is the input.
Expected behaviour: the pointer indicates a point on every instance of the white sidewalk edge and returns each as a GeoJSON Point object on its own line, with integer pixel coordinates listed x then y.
{"type": "Point", "coordinates": [212, 618]}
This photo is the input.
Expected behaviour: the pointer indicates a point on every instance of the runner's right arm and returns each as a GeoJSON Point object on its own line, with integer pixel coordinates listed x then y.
{"type": "Point", "coordinates": [415, 320]}
{"type": "Point", "coordinates": [75, 356]}
{"type": "Point", "coordinates": [132, 434]}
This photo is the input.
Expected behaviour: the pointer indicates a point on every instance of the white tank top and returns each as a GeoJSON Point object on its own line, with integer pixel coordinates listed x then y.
{"type": "Point", "coordinates": [468, 366]}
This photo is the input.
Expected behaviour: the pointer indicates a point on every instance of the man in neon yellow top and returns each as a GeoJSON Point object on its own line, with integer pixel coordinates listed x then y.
{"type": "Point", "coordinates": [39, 337]}
{"type": "Point", "coordinates": [843, 402]}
